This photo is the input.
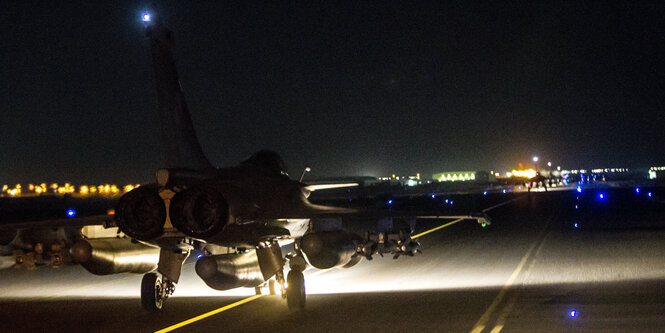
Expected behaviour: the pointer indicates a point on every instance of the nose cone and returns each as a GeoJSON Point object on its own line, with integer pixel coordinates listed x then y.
{"type": "Point", "coordinates": [206, 267]}
{"type": "Point", "coordinates": [311, 244]}
{"type": "Point", "coordinates": [81, 251]}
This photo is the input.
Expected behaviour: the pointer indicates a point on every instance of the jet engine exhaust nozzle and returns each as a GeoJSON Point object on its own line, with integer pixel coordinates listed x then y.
{"type": "Point", "coordinates": [200, 212]}
{"type": "Point", "coordinates": [141, 213]}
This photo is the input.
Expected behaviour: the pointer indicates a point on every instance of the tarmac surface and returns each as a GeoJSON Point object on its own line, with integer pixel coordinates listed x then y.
{"type": "Point", "coordinates": [551, 262]}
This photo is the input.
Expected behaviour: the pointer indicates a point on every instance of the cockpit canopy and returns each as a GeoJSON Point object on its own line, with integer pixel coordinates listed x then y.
{"type": "Point", "coordinates": [268, 160]}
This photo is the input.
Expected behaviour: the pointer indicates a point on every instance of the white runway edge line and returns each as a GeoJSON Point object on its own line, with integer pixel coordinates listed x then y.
{"type": "Point", "coordinates": [482, 322]}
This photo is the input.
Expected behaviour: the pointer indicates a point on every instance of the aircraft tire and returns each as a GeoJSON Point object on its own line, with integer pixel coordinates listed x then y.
{"type": "Point", "coordinates": [295, 292]}
{"type": "Point", "coordinates": [151, 299]}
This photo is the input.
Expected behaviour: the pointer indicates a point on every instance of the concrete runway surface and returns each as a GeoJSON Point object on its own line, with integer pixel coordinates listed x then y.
{"type": "Point", "coordinates": [544, 265]}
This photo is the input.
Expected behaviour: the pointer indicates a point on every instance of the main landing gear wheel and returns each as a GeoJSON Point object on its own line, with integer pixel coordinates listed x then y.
{"type": "Point", "coordinates": [152, 294]}
{"type": "Point", "coordinates": [295, 290]}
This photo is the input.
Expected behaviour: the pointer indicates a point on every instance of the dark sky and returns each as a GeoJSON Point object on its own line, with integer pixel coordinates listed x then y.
{"type": "Point", "coordinates": [363, 88]}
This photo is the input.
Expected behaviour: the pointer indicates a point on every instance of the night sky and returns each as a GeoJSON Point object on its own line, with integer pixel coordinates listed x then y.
{"type": "Point", "coordinates": [363, 88]}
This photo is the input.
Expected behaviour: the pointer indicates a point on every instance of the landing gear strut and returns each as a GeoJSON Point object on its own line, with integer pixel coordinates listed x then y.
{"type": "Point", "coordinates": [155, 291]}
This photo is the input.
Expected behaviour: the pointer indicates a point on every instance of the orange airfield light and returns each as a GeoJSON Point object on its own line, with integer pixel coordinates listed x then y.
{"type": "Point", "coordinates": [83, 190]}
{"type": "Point", "coordinates": [530, 173]}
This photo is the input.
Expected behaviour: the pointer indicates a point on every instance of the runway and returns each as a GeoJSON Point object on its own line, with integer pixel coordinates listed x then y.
{"type": "Point", "coordinates": [551, 262]}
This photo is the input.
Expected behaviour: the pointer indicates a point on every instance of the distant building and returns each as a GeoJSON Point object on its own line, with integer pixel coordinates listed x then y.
{"type": "Point", "coordinates": [657, 172]}
{"type": "Point", "coordinates": [455, 176]}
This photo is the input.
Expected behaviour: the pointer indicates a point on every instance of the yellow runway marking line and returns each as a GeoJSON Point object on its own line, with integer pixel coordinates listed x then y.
{"type": "Point", "coordinates": [497, 329]}
{"type": "Point", "coordinates": [482, 322]}
{"type": "Point", "coordinates": [478, 329]}
{"type": "Point", "coordinates": [462, 219]}
{"type": "Point", "coordinates": [208, 314]}
{"type": "Point", "coordinates": [508, 308]}
{"type": "Point", "coordinates": [485, 317]}
{"type": "Point", "coordinates": [437, 228]}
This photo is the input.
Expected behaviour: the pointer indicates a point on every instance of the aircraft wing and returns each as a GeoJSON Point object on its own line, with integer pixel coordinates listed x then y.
{"type": "Point", "coordinates": [320, 211]}
{"type": "Point", "coordinates": [73, 222]}
{"type": "Point", "coordinates": [317, 187]}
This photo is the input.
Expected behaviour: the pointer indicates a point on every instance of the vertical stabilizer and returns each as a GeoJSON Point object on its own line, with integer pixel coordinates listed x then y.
{"type": "Point", "coordinates": [180, 144]}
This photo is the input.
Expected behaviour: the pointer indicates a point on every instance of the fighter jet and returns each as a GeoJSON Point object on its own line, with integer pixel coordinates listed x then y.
{"type": "Point", "coordinates": [236, 218]}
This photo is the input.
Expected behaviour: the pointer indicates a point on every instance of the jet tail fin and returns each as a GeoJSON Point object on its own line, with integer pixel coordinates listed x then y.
{"type": "Point", "coordinates": [180, 144]}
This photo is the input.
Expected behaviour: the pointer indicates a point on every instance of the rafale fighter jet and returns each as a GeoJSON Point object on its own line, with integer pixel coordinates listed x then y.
{"type": "Point", "coordinates": [235, 216]}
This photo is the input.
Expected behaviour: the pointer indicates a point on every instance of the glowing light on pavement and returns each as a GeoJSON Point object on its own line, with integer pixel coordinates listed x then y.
{"type": "Point", "coordinates": [146, 17]}
{"type": "Point", "coordinates": [71, 212]}
{"type": "Point", "coordinates": [573, 313]}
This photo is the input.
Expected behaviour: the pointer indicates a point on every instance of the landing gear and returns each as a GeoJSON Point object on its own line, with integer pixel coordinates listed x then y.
{"type": "Point", "coordinates": [259, 290]}
{"type": "Point", "coordinates": [154, 291]}
{"type": "Point", "coordinates": [295, 290]}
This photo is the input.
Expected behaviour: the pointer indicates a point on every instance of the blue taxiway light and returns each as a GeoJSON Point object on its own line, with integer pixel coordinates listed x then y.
{"type": "Point", "coordinates": [649, 194]}
{"type": "Point", "coordinates": [577, 207]}
{"type": "Point", "coordinates": [573, 313]}
{"type": "Point", "coordinates": [576, 225]}
{"type": "Point", "coordinates": [637, 190]}
{"type": "Point", "coordinates": [504, 191]}
{"type": "Point", "coordinates": [146, 17]}
{"type": "Point", "coordinates": [579, 189]}
{"type": "Point", "coordinates": [447, 200]}
{"type": "Point", "coordinates": [601, 196]}
{"type": "Point", "coordinates": [390, 202]}
{"type": "Point", "coordinates": [199, 256]}
{"type": "Point", "coordinates": [485, 193]}
{"type": "Point", "coordinates": [433, 196]}
{"type": "Point", "coordinates": [71, 212]}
